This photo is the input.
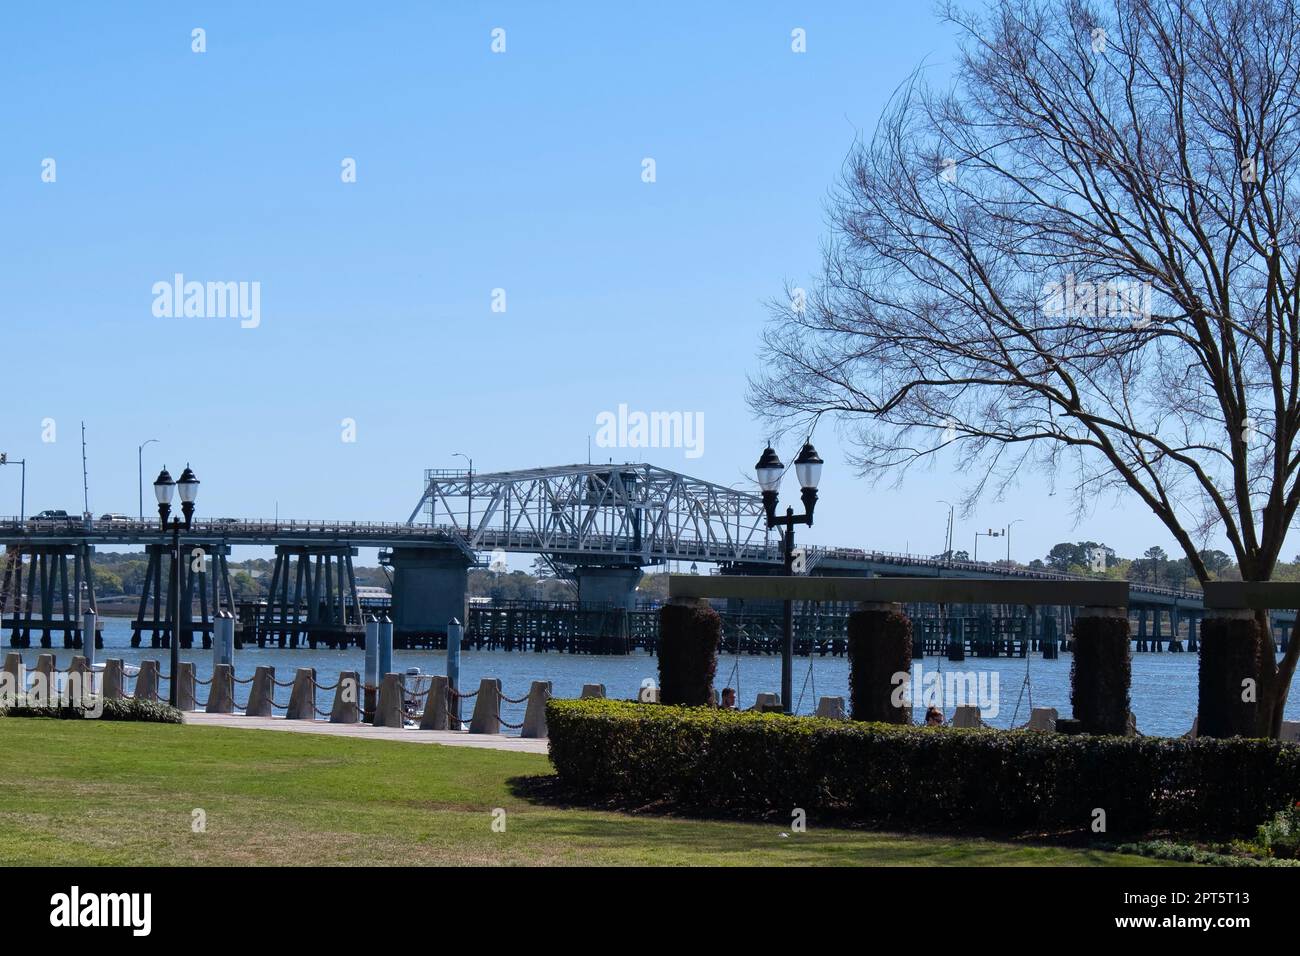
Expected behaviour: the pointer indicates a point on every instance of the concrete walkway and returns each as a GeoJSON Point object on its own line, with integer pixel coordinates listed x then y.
{"type": "Point", "coordinates": [450, 738]}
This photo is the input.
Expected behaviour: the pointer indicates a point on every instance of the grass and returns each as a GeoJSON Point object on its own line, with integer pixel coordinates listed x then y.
{"type": "Point", "coordinates": [96, 793]}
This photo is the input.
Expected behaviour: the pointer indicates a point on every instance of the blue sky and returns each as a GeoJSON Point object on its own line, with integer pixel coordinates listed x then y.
{"type": "Point", "coordinates": [476, 171]}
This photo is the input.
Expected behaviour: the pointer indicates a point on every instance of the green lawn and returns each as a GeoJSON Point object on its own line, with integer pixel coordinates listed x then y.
{"type": "Point", "coordinates": [91, 792]}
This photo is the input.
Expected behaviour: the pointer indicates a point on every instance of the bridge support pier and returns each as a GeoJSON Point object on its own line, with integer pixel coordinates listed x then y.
{"type": "Point", "coordinates": [323, 606]}
{"type": "Point", "coordinates": [158, 591]}
{"type": "Point", "coordinates": [47, 574]}
{"type": "Point", "coordinates": [615, 586]}
{"type": "Point", "coordinates": [429, 589]}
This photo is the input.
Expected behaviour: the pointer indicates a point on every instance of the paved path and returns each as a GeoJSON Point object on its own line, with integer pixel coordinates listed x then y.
{"type": "Point", "coordinates": [450, 738]}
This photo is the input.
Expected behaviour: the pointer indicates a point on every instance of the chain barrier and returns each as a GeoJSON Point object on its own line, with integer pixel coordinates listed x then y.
{"type": "Point", "coordinates": [242, 680]}
{"type": "Point", "coordinates": [461, 696]}
{"type": "Point", "coordinates": [282, 683]}
{"type": "Point", "coordinates": [512, 700]}
{"type": "Point", "coordinates": [324, 686]}
{"type": "Point", "coordinates": [321, 713]}
{"type": "Point", "coordinates": [506, 723]}
{"type": "Point", "coordinates": [205, 683]}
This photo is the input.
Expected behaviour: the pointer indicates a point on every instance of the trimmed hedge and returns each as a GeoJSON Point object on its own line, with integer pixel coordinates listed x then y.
{"type": "Point", "coordinates": [689, 635]}
{"type": "Point", "coordinates": [715, 762]}
{"type": "Point", "coordinates": [1230, 652]}
{"type": "Point", "coordinates": [1100, 674]}
{"type": "Point", "coordinates": [125, 709]}
{"type": "Point", "coordinates": [880, 646]}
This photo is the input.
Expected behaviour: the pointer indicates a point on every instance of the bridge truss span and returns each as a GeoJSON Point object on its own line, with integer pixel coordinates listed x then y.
{"type": "Point", "coordinates": [630, 513]}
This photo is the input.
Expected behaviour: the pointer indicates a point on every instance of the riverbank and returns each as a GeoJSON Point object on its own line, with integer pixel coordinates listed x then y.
{"type": "Point", "coordinates": [91, 793]}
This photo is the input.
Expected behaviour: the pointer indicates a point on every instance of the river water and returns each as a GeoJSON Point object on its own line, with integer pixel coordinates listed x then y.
{"type": "Point", "coordinates": [1163, 687]}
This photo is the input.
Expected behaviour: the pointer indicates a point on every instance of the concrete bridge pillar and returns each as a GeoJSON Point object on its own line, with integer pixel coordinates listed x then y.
{"type": "Point", "coordinates": [429, 588]}
{"type": "Point", "coordinates": [608, 585]}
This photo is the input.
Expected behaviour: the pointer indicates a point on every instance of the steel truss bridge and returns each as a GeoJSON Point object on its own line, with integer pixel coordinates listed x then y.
{"type": "Point", "coordinates": [631, 514]}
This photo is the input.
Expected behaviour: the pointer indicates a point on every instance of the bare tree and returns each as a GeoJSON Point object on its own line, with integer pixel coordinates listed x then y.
{"type": "Point", "coordinates": [1080, 255]}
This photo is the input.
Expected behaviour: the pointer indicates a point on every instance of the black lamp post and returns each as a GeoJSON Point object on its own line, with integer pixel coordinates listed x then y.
{"type": "Point", "coordinates": [163, 489]}
{"type": "Point", "coordinates": [808, 469]}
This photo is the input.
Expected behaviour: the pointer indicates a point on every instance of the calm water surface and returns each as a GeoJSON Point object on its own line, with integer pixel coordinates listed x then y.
{"type": "Point", "coordinates": [1163, 692]}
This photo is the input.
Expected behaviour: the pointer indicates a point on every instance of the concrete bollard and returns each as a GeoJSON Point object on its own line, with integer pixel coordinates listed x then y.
{"type": "Point", "coordinates": [114, 680]}
{"type": "Point", "coordinates": [535, 713]}
{"type": "Point", "coordinates": [392, 693]}
{"type": "Point", "coordinates": [261, 693]}
{"type": "Point", "coordinates": [435, 705]}
{"type": "Point", "coordinates": [765, 702]}
{"type": "Point", "coordinates": [221, 692]}
{"type": "Point", "coordinates": [185, 685]}
{"type": "Point", "coordinates": [1043, 719]}
{"type": "Point", "coordinates": [592, 690]}
{"type": "Point", "coordinates": [146, 681]}
{"type": "Point", "coordinates": [346, 709]}
{"type": "Point", "coordinates": [832, 708]}
{"type": "Point", "coordinates": [17, 672]}
{"type": "Point", "coordinates": [487, 707]}
{"type": "Point", "coordinates": [302, 698]}
{"type": "Point", "coordinates": [966, 716]}
{"type": "Point", "coordinates": [80, 681]}
{"type": "Point", "coordinates": [42, 689]}
{"type": "Point", "coordinates": [13, 681]}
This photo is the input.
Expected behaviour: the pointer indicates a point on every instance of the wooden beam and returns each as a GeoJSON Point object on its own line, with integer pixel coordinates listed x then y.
{"type": "Point", "coordinates": [901, 590]}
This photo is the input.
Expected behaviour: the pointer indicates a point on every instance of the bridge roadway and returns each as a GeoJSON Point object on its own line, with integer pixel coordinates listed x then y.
{"type": "Point", "coordinates": [758, 557]}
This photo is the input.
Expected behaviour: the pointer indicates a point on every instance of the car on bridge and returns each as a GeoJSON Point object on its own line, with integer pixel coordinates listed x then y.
{"type": "Point", "coordinates": [51, 515]}
{"type": "Point", "coordinates": [114, 517]}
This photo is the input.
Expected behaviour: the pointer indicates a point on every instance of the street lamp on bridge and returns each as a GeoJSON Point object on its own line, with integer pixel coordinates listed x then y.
{"type": "Point", "coordinates": [164, 488]}
{"type": "Point", "coordinates": [139, 461]}
{"type": "Point", "coordinates": [1010, 524]}
{"type": "Point", "coordinates": [770, 471]}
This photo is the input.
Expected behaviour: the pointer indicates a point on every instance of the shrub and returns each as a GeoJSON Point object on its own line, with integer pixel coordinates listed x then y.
{"type": "Point", "coordinates": [1229, 654]}
{"type": "Point", "coordinates": [1280, 837]}
{"type": "Point", "coordinates": [688, 653]}
{"type": "Point", "coordinates": [709, 761]}
{"type": "Point", "coordinates": [126, 709]}
{"type": "Point", "coordinates": [1100, 674]}
{"type": "Point", "coordinates": [1183, 853]}
{"type": "Point", "coordinates": [880, 646]}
